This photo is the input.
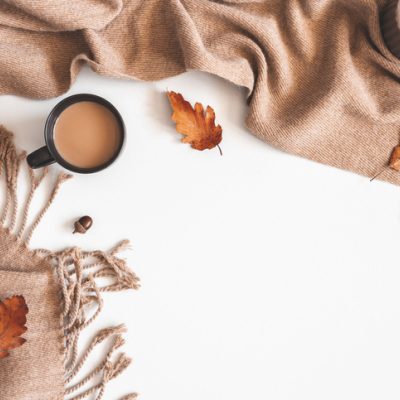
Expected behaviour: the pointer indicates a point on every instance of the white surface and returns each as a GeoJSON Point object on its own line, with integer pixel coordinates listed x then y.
{"type": "Point", "coordinates": [264, 276]}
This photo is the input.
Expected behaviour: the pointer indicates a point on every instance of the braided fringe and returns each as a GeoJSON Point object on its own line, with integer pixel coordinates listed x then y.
{"type": "Point", "coordinates": [9, 166]}
{"type": "Point", "coordinates": [79, 273]}
{"type": "Point", "coordinates": [10, 163]}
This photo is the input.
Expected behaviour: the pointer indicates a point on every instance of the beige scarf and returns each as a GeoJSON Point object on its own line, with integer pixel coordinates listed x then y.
{"type": "Point", "coordinates": [321, 82]}
{"type": "Point", "coordinates": [63, 294]}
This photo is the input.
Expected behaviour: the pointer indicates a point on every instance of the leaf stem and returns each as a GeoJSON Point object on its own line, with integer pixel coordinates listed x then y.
{"type": "Point", "coordinates": [380, 172]}
{"type": "Point", "coordinates": [219, 148]}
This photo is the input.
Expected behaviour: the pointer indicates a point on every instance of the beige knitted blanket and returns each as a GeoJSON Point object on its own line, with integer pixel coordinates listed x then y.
{"type": "Point", "coordinates": [320, 80]}
{"type": "Point", "coordinates": [63, 291]}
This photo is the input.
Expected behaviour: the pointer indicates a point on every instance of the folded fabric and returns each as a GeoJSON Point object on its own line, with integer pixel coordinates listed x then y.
{"type": "Point", "coordinates": [35, 370]}
{"type": "Point", "coordinates": [321, 82]}
{"type": "Point", "coordinates": [64, 296]}
{"type": "Point", "coordinates": [390, 21]}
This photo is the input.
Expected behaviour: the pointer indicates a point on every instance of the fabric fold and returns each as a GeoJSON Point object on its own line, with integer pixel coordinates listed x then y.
{"type": "Point", "coordinates": [322, 83]}
{"type": "Point", "coordinates": [58, 15]}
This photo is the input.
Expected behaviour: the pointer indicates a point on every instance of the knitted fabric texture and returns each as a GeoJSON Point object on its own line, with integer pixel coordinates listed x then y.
{"type": "Point", "coordinates": [63, 294]}
{"type": "Point", "coordinates": [321, 82]}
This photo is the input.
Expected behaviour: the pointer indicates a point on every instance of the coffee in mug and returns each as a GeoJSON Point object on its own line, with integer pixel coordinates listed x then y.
{"type": "Point", "coordinates": [84, 133]}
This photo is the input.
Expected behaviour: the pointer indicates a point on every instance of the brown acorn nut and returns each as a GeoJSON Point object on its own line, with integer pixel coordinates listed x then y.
{"type": "Point", "coordinates": [83, 224]}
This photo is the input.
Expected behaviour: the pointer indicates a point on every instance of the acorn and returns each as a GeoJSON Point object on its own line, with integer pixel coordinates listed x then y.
{"type": "Point", "coordinates": [83, 224]}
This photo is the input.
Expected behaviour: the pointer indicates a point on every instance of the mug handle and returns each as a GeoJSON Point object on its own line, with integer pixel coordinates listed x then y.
{"type": "Point", "coordinates": [40, 158]}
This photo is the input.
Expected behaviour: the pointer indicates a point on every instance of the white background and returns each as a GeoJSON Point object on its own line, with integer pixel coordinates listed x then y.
{"type": "Point", "coordinates": [264, 276]}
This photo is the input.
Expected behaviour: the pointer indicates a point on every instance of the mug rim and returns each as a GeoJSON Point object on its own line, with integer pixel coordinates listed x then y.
{"type": "Point", "coordinates": [52, 119]}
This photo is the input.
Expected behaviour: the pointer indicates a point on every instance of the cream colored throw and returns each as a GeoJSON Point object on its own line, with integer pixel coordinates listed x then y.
{"type": "Point", "coordinates": [321, 82]}
{"type": "Point", "coordinates": [63, 291]}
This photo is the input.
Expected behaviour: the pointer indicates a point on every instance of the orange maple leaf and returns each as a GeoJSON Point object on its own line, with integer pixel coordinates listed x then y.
{"type": "Point", "coordinates": [197, 126]}
{"type": "Point", "coordinates": [12, 323]}
{"type": "Point", "coordinates": [394, 162]}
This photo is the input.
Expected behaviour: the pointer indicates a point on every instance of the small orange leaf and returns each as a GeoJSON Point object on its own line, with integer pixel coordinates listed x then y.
{"type": "Point", "coordinates": [12, 323]}
{"type": "Point", "coordinates": [197, 126]}
{"type": "Point", "coordinates": [394, 161]}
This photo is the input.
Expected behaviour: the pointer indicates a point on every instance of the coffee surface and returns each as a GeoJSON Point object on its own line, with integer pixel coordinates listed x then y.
{"type": "Point", "coordinates": [87, 134]}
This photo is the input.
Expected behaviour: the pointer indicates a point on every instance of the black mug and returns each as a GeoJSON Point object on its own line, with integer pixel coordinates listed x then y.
{"type": "Point", "coordinates": [48, 154]}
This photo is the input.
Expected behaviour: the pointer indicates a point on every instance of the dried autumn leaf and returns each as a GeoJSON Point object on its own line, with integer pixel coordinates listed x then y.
{"type": "Point", "coordinates": [394, 161]}
{"type": "Point", "coordinates": [197, 126]}
{"type": "Point", "coordinates": [12, 323]}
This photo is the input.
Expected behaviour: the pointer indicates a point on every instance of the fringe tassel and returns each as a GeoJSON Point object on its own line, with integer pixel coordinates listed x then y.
{"type": "Point", "coordinates": [79, 273]}
{"type": "Point", "coordinates": [60, 180]}
{"type": "Point", "coordinates": [10, 162]}
{"type": "Point", "coordinates": [35, 183]}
